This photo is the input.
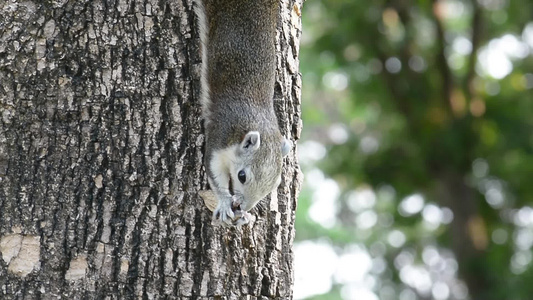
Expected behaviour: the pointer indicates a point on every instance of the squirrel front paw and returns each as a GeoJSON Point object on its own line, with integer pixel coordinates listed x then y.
{"type": "Point", "coordinates": [228, 213]}
{"type": "Point", "coordinates": [242, 218]}
{"type": "Point", "coordinates": [223, 213]}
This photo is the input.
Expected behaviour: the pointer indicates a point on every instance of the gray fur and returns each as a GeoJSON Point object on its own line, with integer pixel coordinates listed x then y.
{"type": "Point", "coordinates": [204, 91]}
{"type": "Point", "coordinates": [238, 76]}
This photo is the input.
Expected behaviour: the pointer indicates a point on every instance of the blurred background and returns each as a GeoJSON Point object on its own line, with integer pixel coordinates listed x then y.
{"type": "Point", "coordinates": [417, 150]}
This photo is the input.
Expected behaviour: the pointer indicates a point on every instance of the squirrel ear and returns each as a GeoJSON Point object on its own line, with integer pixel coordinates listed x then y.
{"type": "Point", "coordinates": [251, 141]}
{"type": "Point", "coordinates": [286, 147]}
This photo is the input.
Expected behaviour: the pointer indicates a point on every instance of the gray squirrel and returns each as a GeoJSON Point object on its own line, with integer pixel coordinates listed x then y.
{"type": "Point", "coordinates": [244, 146]}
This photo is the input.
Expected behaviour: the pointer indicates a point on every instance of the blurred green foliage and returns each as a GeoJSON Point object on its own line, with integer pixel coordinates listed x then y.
{"type": "Point", "coordinates": [429, 98]}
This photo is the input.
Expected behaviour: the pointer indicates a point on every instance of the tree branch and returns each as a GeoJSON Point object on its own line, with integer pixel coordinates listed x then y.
{"type": "Point", "coordinates": [442, 64]}
{"type": "Point", "coordinates": [477, 24]}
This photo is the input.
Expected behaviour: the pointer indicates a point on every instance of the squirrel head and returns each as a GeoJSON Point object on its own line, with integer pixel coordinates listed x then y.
{"type": "Point", "coordinates": [252, 167]}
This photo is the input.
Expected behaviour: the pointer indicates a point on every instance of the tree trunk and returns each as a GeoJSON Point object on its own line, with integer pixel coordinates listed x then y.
{"type": "Point", "coordinates": [101, 158]}
{"type": "Point", "coordinates": [469, 234]}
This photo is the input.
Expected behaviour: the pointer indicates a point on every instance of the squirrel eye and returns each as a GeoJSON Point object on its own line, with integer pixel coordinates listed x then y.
{"type": "Point", "coordinates": [242, 176]}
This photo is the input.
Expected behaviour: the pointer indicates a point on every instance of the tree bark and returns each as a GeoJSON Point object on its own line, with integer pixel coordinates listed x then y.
{"type": "Point", "coordinates": [101, 158]}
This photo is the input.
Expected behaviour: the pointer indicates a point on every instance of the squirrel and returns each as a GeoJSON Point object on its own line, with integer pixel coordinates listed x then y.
{"type": "Point", "coordinates": [244, 145]}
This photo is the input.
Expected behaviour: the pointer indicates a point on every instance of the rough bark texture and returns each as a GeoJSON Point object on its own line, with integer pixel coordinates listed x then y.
{"type": "Point", "coordinates": [101, 150]}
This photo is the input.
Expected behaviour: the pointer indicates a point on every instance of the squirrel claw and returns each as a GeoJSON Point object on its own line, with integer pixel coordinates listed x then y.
{"type": "Point", "coordinates": [228, 213]}
{"type": "Point", "coordinates": [223, 213]}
